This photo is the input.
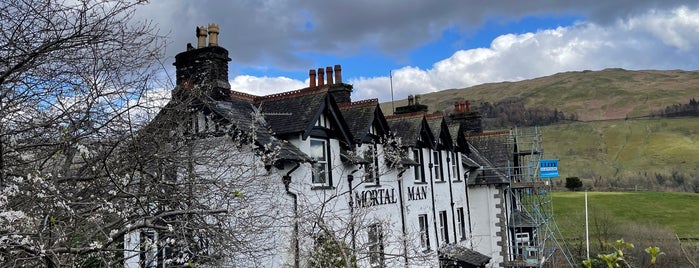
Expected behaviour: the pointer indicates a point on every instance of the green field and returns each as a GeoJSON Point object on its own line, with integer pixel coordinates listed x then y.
{"type": "Point", "coordinates": [678, 212]}
{"type": "Point", "coordinates": [617, 149]}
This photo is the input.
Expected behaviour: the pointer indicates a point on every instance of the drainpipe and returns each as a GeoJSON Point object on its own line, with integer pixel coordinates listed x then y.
{"type": "Point", "coordinates": [402, 218]}
{"type": "Point", "coordinates": [468, 209]}
{"type": "Point", "coordinates": [286, 179]}
{"type": "Point", "coordinates": [451, 196]}
{"type": "Point", "coordinates": [434, 212]}
{"type": "Point", "coordinates": [350, 178]}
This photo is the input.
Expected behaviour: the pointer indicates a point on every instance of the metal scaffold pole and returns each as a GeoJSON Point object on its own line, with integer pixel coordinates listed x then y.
{"type": "Point", "coordinates": [535, 235]}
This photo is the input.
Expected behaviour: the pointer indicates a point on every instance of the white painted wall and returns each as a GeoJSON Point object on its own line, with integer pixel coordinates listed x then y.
{"type": "Point", "coordinates": [483, 220]}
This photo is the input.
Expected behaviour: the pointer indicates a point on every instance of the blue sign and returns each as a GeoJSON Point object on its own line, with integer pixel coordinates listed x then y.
{"type": "Point", "coordinates": [548, 168]}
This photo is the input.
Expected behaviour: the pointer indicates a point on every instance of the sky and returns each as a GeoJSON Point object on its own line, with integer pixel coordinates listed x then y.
{"type": "Point", "coordinates": [427, 46]}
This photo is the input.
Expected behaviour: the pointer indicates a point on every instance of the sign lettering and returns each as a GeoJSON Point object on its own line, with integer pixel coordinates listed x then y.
{"type": "Point", "coordinates": [374, 197]}
{"type": "Point", "coordinates": [417, 193]}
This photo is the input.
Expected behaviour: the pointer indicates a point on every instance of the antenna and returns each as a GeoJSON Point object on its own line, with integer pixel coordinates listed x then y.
{"type": "Point", "coordinates": [390, 77]}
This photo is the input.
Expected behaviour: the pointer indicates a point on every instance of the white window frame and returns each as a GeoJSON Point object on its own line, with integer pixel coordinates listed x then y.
{"type": "Point", "coordinates": [454, 167]}
{"type": "Point", "coordinates": [372, 169]}
{"type": "Point", "coordinates": [436, 165]}
{"type": "Point", "coordinates": [417, 169]}
{"type": "Point", "coordinates": [460, 223]}
{"type": "Point", "coordinates": [149, 248]}
{"type": "Point", "coordinates": [375, 245]}
{"type": "Point", "coordinates": [424, 233]}
{"type": "Point", "coordinates": [443, 228]}
{"type": "Point", "coordinates": [321, 162]}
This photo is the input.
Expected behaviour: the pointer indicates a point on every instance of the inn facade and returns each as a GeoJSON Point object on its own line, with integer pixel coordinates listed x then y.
{"type": "Point", "coordinates": [394, 190]}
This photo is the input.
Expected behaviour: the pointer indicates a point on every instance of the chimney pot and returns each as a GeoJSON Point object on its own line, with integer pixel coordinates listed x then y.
{"type": "Point", "coordinates": [338, 74]}
{"type": "Point", "coordinates": [456, 107]}
{"type": "Point", "coordinates": [410, 100]}
{"type": "Point", "coordinates": [213, 34]}
{"type": "Point", "coordinates": [312, 78]}
{"type": "Point", "coordinates": [321, 76]}
{"type": "Point", "coordinates": [201, 37]}
{"type": "Point", "coordinates": [468, 106]}
{"type": "Point", "coordinates": [329, 74]}
{"type": "Point", "coordinates": [417, 99]}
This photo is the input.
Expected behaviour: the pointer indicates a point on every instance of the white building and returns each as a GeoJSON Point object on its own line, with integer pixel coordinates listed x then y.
{"type": "Point", "coordinates": [344, 182]}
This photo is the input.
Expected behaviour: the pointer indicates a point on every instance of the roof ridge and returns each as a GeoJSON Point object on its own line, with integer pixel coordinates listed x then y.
{"type": "Point", "coordinates": [278, 96]}
{"type": "Point", "coordinates": [434, 115]}
{"type": "Point", "coordinates": [407, 115]}
{"type": "Point", "coordinates": [489, 133]}
{"type": "Point", "coordinates": [360, 103]}
{"type": "Point", "coordinates": [243, 96]}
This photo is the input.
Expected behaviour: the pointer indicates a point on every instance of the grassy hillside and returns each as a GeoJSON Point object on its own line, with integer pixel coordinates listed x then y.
{"type": "Point", "coordinates": [593, 95]}
{"type": "Point", "coordinates": [675, 211]}
{"type": "Point", "coordinates": [616, 149]}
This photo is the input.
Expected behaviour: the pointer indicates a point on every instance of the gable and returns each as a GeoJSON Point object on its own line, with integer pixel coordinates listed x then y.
{"type": "Point", "coordinates": [328, 121]}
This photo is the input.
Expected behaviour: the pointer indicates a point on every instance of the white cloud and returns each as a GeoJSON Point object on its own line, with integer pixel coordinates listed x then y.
{"type": "Point", "coordinates": [657, 39]}
{"type": "Point", "coordinates": [654, 40]}
{"type": "Point", "coordinates": [261, 86]}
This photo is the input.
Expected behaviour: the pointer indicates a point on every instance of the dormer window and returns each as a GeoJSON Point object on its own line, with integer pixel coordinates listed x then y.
{"type": "Point", "coordinates": [323, 122]}
{"type": "Point", "coordinates": [319, 154]}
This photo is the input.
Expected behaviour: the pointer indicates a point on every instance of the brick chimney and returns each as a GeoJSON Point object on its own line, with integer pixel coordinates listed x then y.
{"type": "Point", "coordinates": [311, 78]}
{"type": "Point", "coordinates": [329, 74]}
{"type": "Point", "coordinates": [471, 122]}
{"type": "Point", "coordinates": [203, 71]}
{"type": "Point", "coordinates": [338, 74]}
{"type": "Point", "coordinates": [321, 76]}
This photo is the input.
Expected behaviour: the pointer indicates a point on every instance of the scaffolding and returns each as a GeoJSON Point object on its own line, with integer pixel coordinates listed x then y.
{"type": "Point", "coordinates": [532, 231]}
{"type": "Point", "coordinates": [533, 238]}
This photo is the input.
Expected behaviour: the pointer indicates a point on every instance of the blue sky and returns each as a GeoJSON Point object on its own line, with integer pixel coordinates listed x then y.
{"type": "Point", "coordinates": [432, 45]}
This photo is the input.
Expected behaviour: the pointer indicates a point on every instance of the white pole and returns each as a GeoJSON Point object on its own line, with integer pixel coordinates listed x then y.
{"type": "Point", "coordinates": [390, 77]}
{"type": "Point", "coordinates": [587, 229]}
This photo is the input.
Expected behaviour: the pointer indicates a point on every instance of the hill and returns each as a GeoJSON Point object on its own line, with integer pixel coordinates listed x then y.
{"type": "Point", "coordinates": [604, 149]}
{"type": "Point", "coordinates": [658, 154]}
{"type": "Point", "coordinates": [592, 95]}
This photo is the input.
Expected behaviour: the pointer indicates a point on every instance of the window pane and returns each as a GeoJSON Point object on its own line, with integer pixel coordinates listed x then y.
{"type": "Point", "coordinates": [319, 174]}
{"type": "Point", "coordinates": [437, 169]}
{"type": "Point", "coordinates": [318, 150]}
{"type": "Point", "coordinates": [418, 168]}
{"type": "Point", "coordinates": [320, 167]}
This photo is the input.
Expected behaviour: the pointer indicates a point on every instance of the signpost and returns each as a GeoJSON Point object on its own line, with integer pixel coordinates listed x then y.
{"type": "Point", "coordinates": [548, 168]}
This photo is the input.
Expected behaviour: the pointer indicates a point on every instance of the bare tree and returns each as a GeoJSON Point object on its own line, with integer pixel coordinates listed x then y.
{"type": "Point", "coordinates": [71, 75]}
{"type": "Point", "coordinates": [347, 230]}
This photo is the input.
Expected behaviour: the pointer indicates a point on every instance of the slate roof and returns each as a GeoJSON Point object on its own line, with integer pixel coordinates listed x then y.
{"type": "Point", "coordinates": [489, 174]}
{"type": "Point", "coordinates": [440, 130]}
{"type": "Point", "coordinates": [495, 146]}
{"type": "Point", "coordinates": [292, 114]}
{"type": "Point", "coordinates": [458, 140]}
{"type": "Point", "coordinates": [361, 115]}
{"type": "Point", "coordinates": [460, 254]}
{"type": "Point", "coordinates": [241, 114]}
{"type": "Point", "coordinates": [410, 128]}
{"type": "Point", "coordinates": [468, 162]}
